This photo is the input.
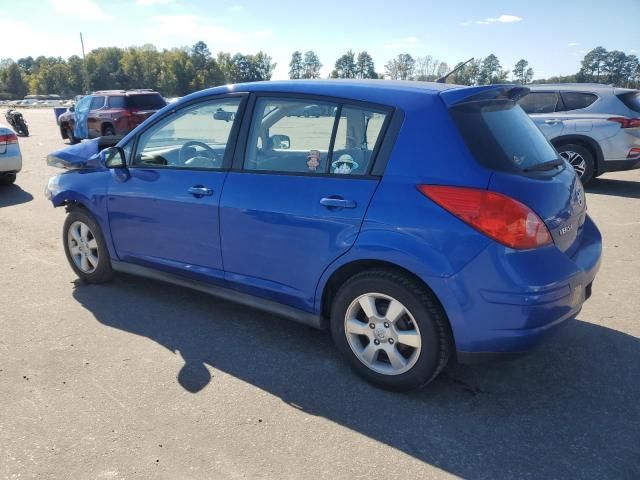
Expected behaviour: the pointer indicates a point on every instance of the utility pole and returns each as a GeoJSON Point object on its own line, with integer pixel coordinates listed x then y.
{"type": "Point", "coordinates": [84, 65]}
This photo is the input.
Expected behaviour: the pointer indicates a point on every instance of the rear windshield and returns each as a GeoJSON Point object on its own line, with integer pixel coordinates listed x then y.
{"type": "Point", "coordinates": [151, 101]}
{"type": "Point", "coordinates": [501, 136]}
{"type": "Point", "coordinates": [631, 100]}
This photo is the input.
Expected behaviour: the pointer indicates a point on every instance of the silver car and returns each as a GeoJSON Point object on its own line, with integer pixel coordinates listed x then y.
{"type": "Point", "coordinates": [10, 156]}
{"type": "Point", "coordinates": [594, 127]}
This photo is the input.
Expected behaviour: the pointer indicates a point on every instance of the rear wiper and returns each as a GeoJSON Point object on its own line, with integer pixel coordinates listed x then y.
{"type": "Point", "coordinates": [551, 164]}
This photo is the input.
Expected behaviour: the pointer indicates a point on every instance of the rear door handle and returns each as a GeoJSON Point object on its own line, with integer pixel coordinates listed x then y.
{"type": "Point", "coordinates": [553, 121]}
{"type": "Point", "coordinates": [199, 191]}
{"type": "Point", "coordinates": [337, 202]}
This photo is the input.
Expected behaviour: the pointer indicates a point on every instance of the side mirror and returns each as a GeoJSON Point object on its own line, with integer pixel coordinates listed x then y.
{"type": "Point", "coordinates": [280, 142]}
{"type": "Point", "coordinates": [113, 157]}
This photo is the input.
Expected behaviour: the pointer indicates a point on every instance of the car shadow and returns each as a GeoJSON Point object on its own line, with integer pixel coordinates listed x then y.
{"type": "Point", "coordinates": [610, 186]}
{"type": "Point", "coordinates": [13, 195]}
{"type": "Point", "coordinates": [570, 409]}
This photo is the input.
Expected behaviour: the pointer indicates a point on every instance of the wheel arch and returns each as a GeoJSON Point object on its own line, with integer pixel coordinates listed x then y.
{"type": "Point", "coordinates": [584, 141]}
{"type": "Point", "coordinates": [347, 270]}
{"type": "Point", "coordinates": [106, 125]}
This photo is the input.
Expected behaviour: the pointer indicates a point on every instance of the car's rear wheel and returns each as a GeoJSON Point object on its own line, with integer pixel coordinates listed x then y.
{"type": "Point", "coordinates": [109, 131]}
{"type": "Point", "coordinates": [85, 247]}
{"type": "Point", "coordinates": [8, 179]}
{"type": "Point", "coordinates": [580, 159]}
{"type": "Point", "coordinates": [390, 329]}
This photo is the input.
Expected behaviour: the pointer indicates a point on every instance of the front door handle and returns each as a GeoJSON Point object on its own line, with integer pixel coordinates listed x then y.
{"type": "Point", "coordinates": [199, 191]}
{"type": "Point", "coordinates": [553, 121]}
{"type": "Point", "coordinates": [337, 202]}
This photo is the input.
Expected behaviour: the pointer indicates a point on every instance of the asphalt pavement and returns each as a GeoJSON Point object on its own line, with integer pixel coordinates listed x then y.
{"type": "Point", "coordinates": [137, 379]}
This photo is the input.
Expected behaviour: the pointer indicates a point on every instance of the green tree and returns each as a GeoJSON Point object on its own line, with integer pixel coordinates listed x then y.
{"type": "Point", "coordinates": [491, 71]}
{"type": "Point", "coordinates": [296, 65]}
{"type": "Point", "coordinates": [365, 68]}
{"type": "Point", "coordinates": [522, 72]}
{"type": "Point", "coordinates": [14, 82]}
{"type": "Point", "coordinates": [311, 65]}
{"type": "Point", "coordinates": [593, 64]}
{"type": "Point", "coordinates": [345, 66]}
{"type": "Point", "coordinates": [400, 68]}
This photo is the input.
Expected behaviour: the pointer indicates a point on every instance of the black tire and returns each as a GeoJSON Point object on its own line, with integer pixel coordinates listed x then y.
{"type": "Point", "coordinates": [8, 179]}
{"type": "Point", "coordinates": [72, 140]}
{"type": "Point", "coordinates": [23, 128]}
{"type": "Point", "coordinates": [109, 132]}
{"type": "Point", "coordinates": [103, 271]}
{"type": "Point", "coordinates": [436, 344]}
{"type": "Point", "coordinates": [566, 152]}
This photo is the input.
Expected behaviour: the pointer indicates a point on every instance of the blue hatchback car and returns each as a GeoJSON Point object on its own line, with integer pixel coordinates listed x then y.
{"type": "Point", "coordinates": [418, 222]}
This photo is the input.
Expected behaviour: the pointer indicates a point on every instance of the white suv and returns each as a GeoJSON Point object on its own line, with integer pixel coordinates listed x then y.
{"type": "Point", "coordinates": [595, 127]}
{"type": "Point", "coordinates": [10, 156]}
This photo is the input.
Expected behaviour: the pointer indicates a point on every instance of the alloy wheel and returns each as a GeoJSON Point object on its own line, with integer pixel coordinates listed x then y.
{"type": "Point", "coordinates": [576, 160]}
{"type": "Point", "coordinates": [83, 247]}
{"type": "Point", "coordinates": [382, 334]}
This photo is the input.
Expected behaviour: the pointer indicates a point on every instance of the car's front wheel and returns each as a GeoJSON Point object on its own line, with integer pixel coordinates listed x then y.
{"type": "Point", "coordinates": [390, 329]}
{"type": "Point", "coordinates": [85, 247]}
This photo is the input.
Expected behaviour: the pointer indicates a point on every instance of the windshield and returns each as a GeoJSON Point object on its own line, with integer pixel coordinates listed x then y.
{"type": "Point", "coordinates": [501, 136]}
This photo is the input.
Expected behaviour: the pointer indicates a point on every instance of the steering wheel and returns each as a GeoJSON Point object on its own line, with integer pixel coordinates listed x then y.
{"type": "Point", "coordinates": [184, 160]}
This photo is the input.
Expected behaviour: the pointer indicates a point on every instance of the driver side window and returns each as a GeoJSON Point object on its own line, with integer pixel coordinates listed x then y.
{"type": "Point", "coordinates": [194, 137]}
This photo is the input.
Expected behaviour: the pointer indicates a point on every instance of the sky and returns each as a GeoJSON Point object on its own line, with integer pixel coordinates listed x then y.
{"type": "Point", "coordinates": [553, 35]}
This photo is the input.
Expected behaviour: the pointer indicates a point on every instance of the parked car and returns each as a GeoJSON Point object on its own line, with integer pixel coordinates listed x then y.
{"type": "Point", "coordinates": [426, 222]}
{"type": "Point", "coordinates": [10, 156]}
{"type": "Point", "coordinates": [594, 127]}
{"type": "Point", "coordinates": [108, 112]}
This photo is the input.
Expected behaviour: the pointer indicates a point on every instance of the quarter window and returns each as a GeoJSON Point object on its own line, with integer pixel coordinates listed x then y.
{"type": "Point", "coordinates": [576, 100]}
{"type": "Point", "coordinates": [299, 136]}
{"type": "Point", "coordinates": [356, 138]}
{"type": "Point", "coordinates": [539, 102]}
{"type": "Point", "coordinates": [195, 137]}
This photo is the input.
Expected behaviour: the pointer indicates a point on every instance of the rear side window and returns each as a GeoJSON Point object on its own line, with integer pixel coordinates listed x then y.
{"type": "Point", "coordinates": [309, 137]}
{"type": "Point", "coordinates": [116, 102]}
{"type": "Point", "coordinates": [501, 136]}
{"type": "Point", "coordinates": [539, 102]}
{"type": "Point", "coordinates": [97, 102]}
{"type": "Point", "coordinates": [631, 100]}
{"type": "Point", "coordinates": [151, 101]}
{"type": "Point", "coordinates": [577, 100]}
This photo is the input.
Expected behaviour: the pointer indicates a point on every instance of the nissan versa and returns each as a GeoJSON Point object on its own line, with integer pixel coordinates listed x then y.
{"type": "Point", "coordinates": [418, 222]}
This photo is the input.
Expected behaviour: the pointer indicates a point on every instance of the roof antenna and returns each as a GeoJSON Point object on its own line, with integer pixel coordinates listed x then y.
{"type": "Point", "coordinates": [444, 79]}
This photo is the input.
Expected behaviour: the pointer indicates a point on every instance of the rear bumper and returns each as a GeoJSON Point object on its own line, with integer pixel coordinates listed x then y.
{"type": "Point", "coordinates": [507, 301]}
{"type": "Point", "coordinates": [11, 160]}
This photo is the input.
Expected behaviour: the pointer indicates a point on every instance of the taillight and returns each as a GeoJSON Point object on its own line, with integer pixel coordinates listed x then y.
{"type": "Point", "coordinates": [634, 152]}
{"type": "Point", "coordinates": [626, 122]}
{"type": "Point", "coordinates": [9, 138]}
{"type": "Point", "coordinates": [500, 217]}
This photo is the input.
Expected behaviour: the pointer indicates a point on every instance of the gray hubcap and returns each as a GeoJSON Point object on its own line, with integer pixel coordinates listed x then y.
{"type": "Point", "coordinates": [382, 334]}
{"type": "Point", "coordinates": [576, 160]}
{"type": "Point", "coordinates": [83, 247]}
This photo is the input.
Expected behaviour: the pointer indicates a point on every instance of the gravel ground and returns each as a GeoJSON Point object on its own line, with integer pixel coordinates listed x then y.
{"type": "Point", "coordinates": [137, 379]}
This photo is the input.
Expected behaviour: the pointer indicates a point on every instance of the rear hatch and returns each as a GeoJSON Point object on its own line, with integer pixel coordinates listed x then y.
{"type": "Point", "coordinates": [524, 165]}
{"type": "Point", "coordinates": [142, 105]}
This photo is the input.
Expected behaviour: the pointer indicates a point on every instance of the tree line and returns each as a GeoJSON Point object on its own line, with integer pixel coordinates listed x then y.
{"type": "Point", "coordinates": [174, 72]}
{"type": "Point", "coordinates": [179, 71]}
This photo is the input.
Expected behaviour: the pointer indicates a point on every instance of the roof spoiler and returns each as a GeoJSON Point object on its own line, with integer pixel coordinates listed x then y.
{"type": "Point", "coordinates": [456, 96]}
